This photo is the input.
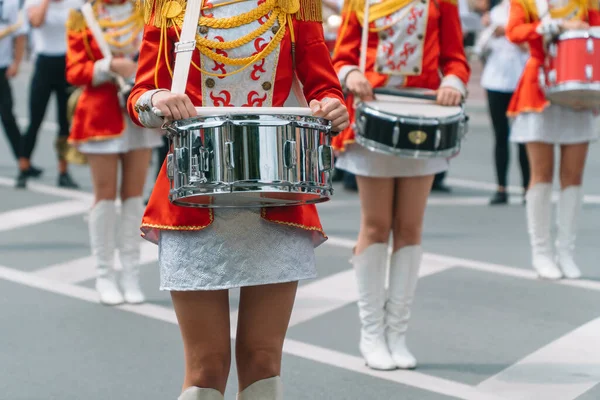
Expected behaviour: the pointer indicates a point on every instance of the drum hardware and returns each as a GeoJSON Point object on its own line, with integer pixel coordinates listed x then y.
{"type": "Point", "coordinates": [243, 157]}
{"type": "Point", "coordinates": [410, 124]}
{"type": "Point", "coordinates": [568, 75]}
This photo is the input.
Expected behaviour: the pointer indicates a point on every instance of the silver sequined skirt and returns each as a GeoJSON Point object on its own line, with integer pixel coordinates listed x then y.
{"type": "Point", "coordinates": [238, 249]}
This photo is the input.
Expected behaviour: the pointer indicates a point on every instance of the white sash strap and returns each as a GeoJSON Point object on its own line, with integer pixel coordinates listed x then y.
{"type": "Point", "coordinates": [186, 46]}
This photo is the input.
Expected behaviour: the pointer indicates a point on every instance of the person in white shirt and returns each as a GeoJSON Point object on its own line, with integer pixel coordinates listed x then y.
{"type": "Point", "coordinates": [504, 65]}
{"type": "Point", "coordinates": [47, 19]}
{"type": "Point", "coordinates": [13, 40]}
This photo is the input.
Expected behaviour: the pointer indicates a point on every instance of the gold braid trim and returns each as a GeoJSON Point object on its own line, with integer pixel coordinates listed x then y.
{"type": "Point", "coordinates": [76, 21]}
{"type": "Point", "coordinates": [379, 10]}
{"type": "Point", "coordinates": [310, 10]}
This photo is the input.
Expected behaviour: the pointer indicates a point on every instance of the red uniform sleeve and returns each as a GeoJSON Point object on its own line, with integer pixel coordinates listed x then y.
{"type": "Point", "coordinates": [593, 13]}
{"type": "Point", "coordinates": [79, 61]}
{"type": "Point", "coordinates": [519, 28]}
{"type": "Point", "coordinates": [146, 79]}
{"type": "Point", "coordinates": [453, 60]}
{"type": "Point", "coordinates": [347, 49]}
{"type": "Point", "coordinates": [313, 63]}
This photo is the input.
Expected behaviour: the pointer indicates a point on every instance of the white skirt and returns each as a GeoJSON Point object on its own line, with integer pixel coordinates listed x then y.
{"type": "Point", "coordinates": [361, 161]}
{"type": "Point", "coordinates": [133, 138]}
{"type": "Point", "coordinates": [555, 125]}
{"type": "Point", "coordinates": [238, 249]}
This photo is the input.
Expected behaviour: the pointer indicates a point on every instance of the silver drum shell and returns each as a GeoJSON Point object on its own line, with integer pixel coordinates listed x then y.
{"type": "Point", "coordinates": [249, 161]}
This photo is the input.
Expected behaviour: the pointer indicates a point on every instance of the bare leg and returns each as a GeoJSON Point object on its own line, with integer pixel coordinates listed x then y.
{"type": "Point", "coordinates": [263, 318]}
{"type": "Point", "coordinates": [203, 318]}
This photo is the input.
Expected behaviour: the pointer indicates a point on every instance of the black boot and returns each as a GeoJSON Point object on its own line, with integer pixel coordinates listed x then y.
{"type": "Point", "coordinates": [65, 180]}
{"type": "Point", "coordinates": [34, 172]}
{"type": "Point", "coordinates": [499, 198]}
{"type": "Point", "coordinates": [21, 181]}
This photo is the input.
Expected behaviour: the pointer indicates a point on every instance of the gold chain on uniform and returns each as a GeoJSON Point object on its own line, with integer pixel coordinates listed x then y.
{"type": "Point", "coordinates": [131, 25]}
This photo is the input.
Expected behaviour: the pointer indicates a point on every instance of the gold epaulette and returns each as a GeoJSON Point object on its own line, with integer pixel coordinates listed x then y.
{"type": "Point", "coordinates": [156, 12]}
{"type": "Point", "coordinates": [76, 21]}
{"type": "Point", "coordinates": [453, 2]}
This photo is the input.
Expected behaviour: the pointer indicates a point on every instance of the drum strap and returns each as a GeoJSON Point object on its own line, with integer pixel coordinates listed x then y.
{"type": "Point", "coordinates": [542, 9]}
{"type": "Point", "coordinates": [90, 19]}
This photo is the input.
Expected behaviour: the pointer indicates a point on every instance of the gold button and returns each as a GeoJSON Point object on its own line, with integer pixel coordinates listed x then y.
{"type": "Point", "coordinates": [267, 85]}
{"type": "Point", "coordinates": [203, 29]}
{"type": "Point", "coordinates": [275, 28]}
{"type": "Point", "coordinates": [210, 83]}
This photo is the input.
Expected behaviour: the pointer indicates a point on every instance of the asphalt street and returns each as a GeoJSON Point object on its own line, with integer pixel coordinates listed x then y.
{"type": "Point", "coordinates": [483, 326]}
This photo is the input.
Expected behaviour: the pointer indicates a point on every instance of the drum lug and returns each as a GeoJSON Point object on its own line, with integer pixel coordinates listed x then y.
{"type": "Point", "coordinates": [230, 155]}
{"type": "Point", "coordinates": [204, 160]}
{"type": "Point", "coordinates": [590, 45]}
{"type": "Point", "coordinates": [396, 135]}
{"type": "Point", "coordinates": [325, 158]}
{"type": "Point", "coordinates": [170, 166]}
{"type": "Point", "coordinates": [289, 154]}
{"type": "Point", "coordinates": [438, 138]}
{"type": "Point", "coordinates": [589, 72]}
{"type": "Point", "coordinates": [181, 159]}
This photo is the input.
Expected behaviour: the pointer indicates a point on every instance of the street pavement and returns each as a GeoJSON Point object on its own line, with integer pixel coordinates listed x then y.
{"type": "Point", "coordinates": [483, 326]}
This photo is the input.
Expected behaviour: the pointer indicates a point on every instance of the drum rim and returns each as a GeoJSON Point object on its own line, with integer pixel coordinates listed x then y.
{"type": "Point", "coordinates": [425, 121]}
{"type": "Point", "coordinates": [573, 85]}
{"type": "Point", "coordinates": [580, 34]}
{"type": "Point", "coordinates": [404, 153]}
{"type": "Point", "coordinates": [322, 194]}
{"type": "Point", "coordinates": [216, 121]}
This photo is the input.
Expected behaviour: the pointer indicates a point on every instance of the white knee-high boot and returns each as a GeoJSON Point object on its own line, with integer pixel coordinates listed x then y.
{"type": "Point", "coordinates": [102, 227]}
{"type": "Point", "coordinates": [198, 393]}
{"type": "Point", "coordinates": [569, 205]}
{"type": "Point", "coordinates": [265, 389]}
{"type": "Point", "coordinates": [539, 217]}
{"type": "Point", "coordinates": [129, 249]}
{"type": "Point", "coordinates": [404, 275]}
{"type": "Point", "coordinates": [370, 267]}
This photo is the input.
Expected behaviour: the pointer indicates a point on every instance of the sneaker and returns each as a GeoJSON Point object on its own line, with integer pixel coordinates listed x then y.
{"type": "Point", "coordinates": [65, 180]}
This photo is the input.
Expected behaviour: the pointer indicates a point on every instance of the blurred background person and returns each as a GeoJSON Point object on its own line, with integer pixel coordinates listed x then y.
{"type": "Point", "coordinates": [504, 63]}
{"type": "Point", "coordinates": [13, 41]}
{"type": "Point", "coordinates": [47, 19]}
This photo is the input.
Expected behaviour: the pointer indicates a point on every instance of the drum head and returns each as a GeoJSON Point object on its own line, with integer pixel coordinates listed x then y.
{"type": "Point", "coordinates": [404, 106]}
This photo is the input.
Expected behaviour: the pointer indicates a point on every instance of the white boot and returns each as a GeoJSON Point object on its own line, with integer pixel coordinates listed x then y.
{"type": "Point", "coordinates": [129, 249]}
{"type": "Point", "coordinates": [569, 205]}
{"type": "Point", "coordinates": [404, 274]}
{"type": "Point", "coordinates": [265, 389]}
{"type": "Point", "coordinates": [102, 222]}
{"type": "Point", "coordinates": [370, 267]}
{"type": "Point", "coordinates": [539, 216]}
{"type": "Point", "coordinates": [197, 393]}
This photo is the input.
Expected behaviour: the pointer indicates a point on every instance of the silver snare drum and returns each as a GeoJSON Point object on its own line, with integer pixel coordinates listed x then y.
{"type": "Point", "coordinates": [249, 161]}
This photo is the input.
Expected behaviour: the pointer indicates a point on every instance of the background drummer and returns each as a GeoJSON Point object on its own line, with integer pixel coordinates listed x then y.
{"type": "Point", "coordinates": [542, 125]}
{"type": "Point", "coordinates": [408, 44]}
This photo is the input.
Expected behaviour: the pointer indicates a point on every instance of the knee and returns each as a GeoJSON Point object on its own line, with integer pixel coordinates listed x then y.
{"type": "Point", "coordinates": [255, 364]}
{"type": "Point", "coordinates": [208, 370]}
{"type": "Point", "coordinates": [570, 176]}
{"type": "Point", "coordinates": [407, 235]}
{"type": "Point", "coordinates": [377, 230]}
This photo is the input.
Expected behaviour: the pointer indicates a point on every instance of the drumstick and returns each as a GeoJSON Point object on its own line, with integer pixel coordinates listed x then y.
{"type": "Point", "coordinates": [210, 111]}
{"type": "Point", "coordinates": [405, 93]}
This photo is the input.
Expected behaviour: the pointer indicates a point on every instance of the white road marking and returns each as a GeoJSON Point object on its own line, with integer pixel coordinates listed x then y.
{"type": "Point", "coordinates": [408, 378]}
{"type": "Point", "coordinates": [51, 190]}
{"type": "Point", "coordinates": [429, 258]}
{"type": "Point", "coordinates": [27, 216]}
{"type": "Point", "coordinates": [83, 269]}
{"type": "Point", "coordinates": [562, 370]}
{"type": "Point", "coordinates": [296, 348]}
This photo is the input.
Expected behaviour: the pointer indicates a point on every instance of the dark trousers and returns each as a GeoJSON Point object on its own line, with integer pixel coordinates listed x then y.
{"type": "Point", "coordinates": [9, 122]}
{"type": "Point", "coordinates": [498, 104]}
{"type": "Point", "coordinates": [48, 77]}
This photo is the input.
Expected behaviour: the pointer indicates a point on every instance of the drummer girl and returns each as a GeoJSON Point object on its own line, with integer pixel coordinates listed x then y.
{"type": "Point", "coordinates": [541, 126]}
{"type": "Point", "coordinates": [102, 132]}
{"type": "Point", "coordinates": [408, 44]}
{"type": "Point", "coordinates": [248, 52]}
